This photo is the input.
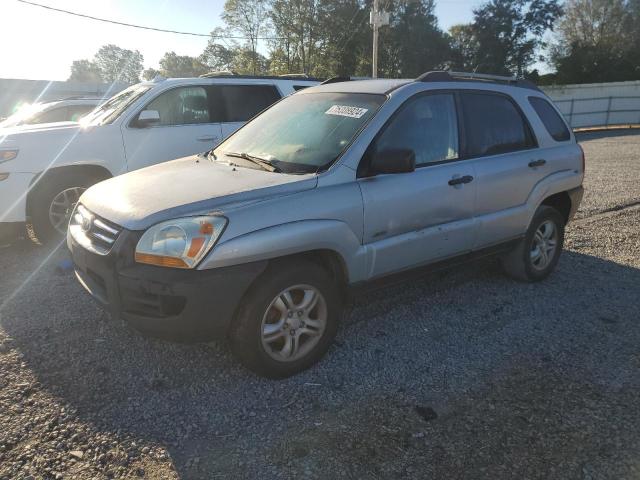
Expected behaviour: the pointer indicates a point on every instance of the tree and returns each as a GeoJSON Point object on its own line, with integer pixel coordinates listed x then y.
{"type": "Point", "coordinates": [464, 48]}
{"type": "Point", "coordinates": [598, 41]}
{"type": "Point", "coordinates": [150, 73]}
{"type": "Point", "coordinates": [85, 71]}
{"type": "Point", "coordinates": [413, 43]}
{"type": "Point", "coordinates": [173, 65]}
{"type": "Point", "coordinates": [216, 56]}
{"type": "Point", "coordinates": [507, 34]}
{"type": "Point", "coordinates": [343, 38]}
{"type": "Point", "coordinates": [296, 24]}
{"type": "Point", "coordinates": [248, 18]}
{"type": "Point", "coordinates": [119, 64]}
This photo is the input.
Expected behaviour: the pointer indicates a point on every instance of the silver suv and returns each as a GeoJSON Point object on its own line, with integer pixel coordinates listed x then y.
{"type": "Point", "coordinates": [261, 239]}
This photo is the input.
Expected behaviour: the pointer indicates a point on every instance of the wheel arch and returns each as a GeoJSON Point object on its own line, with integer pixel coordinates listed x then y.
{"type": "Point", "coordinates": [561, 201]}
{"type": "Point", "coordinates": [93, 171]}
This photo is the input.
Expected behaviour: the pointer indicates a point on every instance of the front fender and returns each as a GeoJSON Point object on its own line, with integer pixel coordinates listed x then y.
{"type": "Point", "coordinates": [291, 238]}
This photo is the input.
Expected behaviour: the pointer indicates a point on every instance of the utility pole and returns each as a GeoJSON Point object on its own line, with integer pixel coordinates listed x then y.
{"type": "Point", "coordinates": [377, 19]}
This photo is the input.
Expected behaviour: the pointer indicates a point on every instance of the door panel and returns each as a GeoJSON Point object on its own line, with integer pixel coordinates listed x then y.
{"type": "Point", "coordinates": [418, 217]}
{"type": "Point", "coordinates": [499, 136]}
{"type": "Point", "coordinates": [415, 218]}
{"type": "Point", "coordinates": [185, 128]}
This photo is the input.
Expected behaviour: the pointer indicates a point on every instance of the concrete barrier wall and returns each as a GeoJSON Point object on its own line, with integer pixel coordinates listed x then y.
{"type": "Point", "coordinates": [14, 92]}
{"type": "Point", "coordinates": [598, 104]}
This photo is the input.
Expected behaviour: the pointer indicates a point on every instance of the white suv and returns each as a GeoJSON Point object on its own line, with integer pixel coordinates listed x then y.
{"type": "Point", "coordinates": [44, 171]}
{"type": "Point", "coordinates": [67, 110]}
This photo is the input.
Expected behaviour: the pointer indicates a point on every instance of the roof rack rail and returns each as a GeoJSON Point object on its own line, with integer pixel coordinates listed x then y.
{"type": "Point", "coordinates": [301, 77]}
{"type": "Point", "coordinates": [220, 73]}
{"type": "Point", "coordinates": [336, 80]}
{"type": "Point", "coordinates": [448, 76]}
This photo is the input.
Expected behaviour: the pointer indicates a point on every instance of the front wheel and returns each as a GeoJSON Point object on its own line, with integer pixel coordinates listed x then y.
{"type": "Point", "coordinates": [538, 252]}
{"type": "Point", "coordinates": [53, 201]}
{"type": "Point", "coordinates": [288, 319]}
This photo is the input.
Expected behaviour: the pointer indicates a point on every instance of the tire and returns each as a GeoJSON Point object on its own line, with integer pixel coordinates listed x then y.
{"type": "Point", "coordinates": [49, 188]}
{"type": "Point", "coordinates": [264, 308]}
{"type": "Point", "coordinates": [526, 262]}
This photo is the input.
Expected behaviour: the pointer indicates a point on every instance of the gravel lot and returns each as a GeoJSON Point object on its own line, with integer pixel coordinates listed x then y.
{"type": "Point", "coordinates": [464, 374]}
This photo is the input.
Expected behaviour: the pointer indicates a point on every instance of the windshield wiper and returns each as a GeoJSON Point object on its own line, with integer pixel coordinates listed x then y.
{"type": "Point", "coordinates": [261, 162]}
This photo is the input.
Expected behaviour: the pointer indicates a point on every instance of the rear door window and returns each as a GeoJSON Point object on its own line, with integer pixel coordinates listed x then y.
{"type": "Point", "coordinates": [550, 118]}
{"type": "Point", "coordinates": [493, 125]}
{"type": "Point", "coordinates": [241, 102]}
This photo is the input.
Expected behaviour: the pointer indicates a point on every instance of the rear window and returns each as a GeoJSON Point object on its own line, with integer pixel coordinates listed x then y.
{"type": "Point", "coordinates": [242, 102]}
{"type": "Point", "coordinates": [493, 125]}
{"type": "Point", "coordinates": [550, 118]}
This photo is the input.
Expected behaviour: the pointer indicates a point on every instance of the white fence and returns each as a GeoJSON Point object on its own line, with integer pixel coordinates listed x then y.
{"type": "Point", "coordinates": [598, 104]}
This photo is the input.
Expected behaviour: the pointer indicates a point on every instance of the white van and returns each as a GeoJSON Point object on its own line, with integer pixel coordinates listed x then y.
{"type": "Point", "coordinates": [43, 172]}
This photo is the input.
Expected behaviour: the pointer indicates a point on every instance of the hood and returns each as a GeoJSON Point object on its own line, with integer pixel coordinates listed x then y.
{"type": "Point", "coordinates": [39, 127]}
{"type": "Point", "coordinates": [187, 186]}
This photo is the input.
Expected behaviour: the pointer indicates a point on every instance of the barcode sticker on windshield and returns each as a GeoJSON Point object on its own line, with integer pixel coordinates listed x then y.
{"type": "Point", "coordinates": [346, 111]}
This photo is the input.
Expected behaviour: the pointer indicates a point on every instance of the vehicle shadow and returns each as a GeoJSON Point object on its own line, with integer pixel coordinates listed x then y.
{"type": "Point", "coordinates": [439, 341]}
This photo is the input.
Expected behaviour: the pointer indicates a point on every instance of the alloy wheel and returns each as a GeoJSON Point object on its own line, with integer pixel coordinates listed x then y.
{"type": "Point", "coordinates": [62, 206]}
{"type": "Point", "coordinates": [293, 323]}
{"type": "Point", "coordinates": [545, 242]}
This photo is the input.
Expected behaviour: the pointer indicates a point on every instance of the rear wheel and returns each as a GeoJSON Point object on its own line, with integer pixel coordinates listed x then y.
{"type": "Point", "coordinates": [287, 320]}
{"type": "Point", "coordinates": [52, 202]}
{"type": "Point", "coordinates": [538, 252]}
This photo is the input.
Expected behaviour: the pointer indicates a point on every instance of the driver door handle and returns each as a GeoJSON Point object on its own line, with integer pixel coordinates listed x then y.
{"type": "Point", "coordinates": [461, 180]}
{"type": "Point", "coordinates": [537, 163]}
{"type": "Point", "coordinates": [208, 138]}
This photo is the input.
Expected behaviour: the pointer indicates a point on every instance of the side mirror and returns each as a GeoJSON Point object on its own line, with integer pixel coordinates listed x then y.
{"type": "Point", "coordinates": [396, 160]}
{"type": "Point", "coordinates": [147, 118]}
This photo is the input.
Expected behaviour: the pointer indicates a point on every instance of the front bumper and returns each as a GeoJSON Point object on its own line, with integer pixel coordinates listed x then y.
{"type": "Point", "coordinates": [184, 305]}
{"type": "Point", "coordinates": [13, 197]}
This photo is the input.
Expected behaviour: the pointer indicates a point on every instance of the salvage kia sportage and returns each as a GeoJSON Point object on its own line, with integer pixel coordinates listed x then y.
{"type": "Point", "coordinates": [261, 239]}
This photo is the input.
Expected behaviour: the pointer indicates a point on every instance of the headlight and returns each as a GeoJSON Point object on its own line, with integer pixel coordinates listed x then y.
{"type": "Point", "coordinates": [179, 243]}
{"type": "Point", "coordinates": [8, 154]}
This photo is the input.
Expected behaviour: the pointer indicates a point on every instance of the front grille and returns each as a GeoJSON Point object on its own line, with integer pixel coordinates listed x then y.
{"type": "Point", "coordinates": [93, 232]}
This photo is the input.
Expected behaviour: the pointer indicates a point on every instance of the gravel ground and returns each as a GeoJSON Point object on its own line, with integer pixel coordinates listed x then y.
{"type": "Point", "coordinates": [464, 374]}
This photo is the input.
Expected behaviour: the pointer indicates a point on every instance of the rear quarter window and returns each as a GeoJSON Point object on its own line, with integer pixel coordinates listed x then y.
{"type": "Point", "coordinates": [242, 102]}
{"type": "Point", "coordinates": [550, 119]}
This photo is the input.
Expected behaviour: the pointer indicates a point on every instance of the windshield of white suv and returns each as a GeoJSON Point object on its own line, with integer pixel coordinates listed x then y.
{"type": "Point", "coordinates": [302, 133]}
{"type": "Point", "coordinates": [112, 108]}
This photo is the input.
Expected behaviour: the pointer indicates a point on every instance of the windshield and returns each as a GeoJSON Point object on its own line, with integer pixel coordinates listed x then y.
{"type": "Point", "coordinates": [303, 133]}
{"type": "Point", "coordinates": [112, 108]}
{"type": "Point", "coordinates": [23, 114]}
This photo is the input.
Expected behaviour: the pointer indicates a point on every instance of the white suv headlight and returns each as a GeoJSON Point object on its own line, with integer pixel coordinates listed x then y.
{"type": "Point", "coordinates": [179, 243]}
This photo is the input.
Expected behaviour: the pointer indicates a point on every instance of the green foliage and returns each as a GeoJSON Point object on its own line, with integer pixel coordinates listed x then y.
{"type": "Point", "coordinates": [247, 18]}
{"type": "Point", "coordinates": [119, 64]}
{"type": "Point", "coordinates": [176, 66]}
{"type": "Point", "coordinates": [85, 71]}
{"type": "Point", "coordinates": [110, 64]}
{"type": "Point", "coordinates": [504, 36]}
{"type": "Point", "coordinates": [599, 41]}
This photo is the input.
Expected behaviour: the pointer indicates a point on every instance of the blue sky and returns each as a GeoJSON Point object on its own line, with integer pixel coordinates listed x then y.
{"type": "Point", "coordinates": [44, 43]}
